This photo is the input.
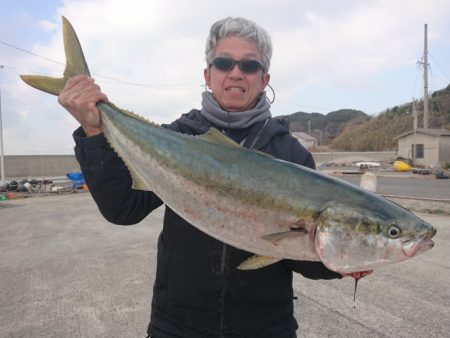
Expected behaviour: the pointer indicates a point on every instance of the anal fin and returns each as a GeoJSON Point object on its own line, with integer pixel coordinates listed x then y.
{"type": "Point", "coordinates": [257, 262]}
{"type": "Point", "coordinates": [138, 183]}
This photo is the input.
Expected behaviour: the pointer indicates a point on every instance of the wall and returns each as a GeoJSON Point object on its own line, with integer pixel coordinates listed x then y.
{"type": "Point", "coordinates": [44, 166]}
{"type": "Point", "coordinates": [444, 150]}
{"type": "Point", "coordinates": [431, 148]}
{"type": "Point", "coordinates": [355, 156]}
{"type": "Point", "coordinates": [39, 166]}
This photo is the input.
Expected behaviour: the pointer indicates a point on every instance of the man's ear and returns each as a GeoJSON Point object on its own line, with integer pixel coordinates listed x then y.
{"type": "Point", "coordinates": [207, 76]}
{"type": "Point", "coordinates": [265, 79]}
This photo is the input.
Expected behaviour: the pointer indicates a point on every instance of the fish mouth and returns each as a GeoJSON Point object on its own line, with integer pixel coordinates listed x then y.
{"type": "Point", "coordinates": [417, 246]}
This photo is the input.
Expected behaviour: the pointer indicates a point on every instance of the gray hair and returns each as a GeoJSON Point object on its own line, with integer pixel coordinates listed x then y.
{"type": "Point", "coordinates": [241, 28]}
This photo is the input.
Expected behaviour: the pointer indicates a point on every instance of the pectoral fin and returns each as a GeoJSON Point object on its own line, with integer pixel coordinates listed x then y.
{"type": "Point", "coordinates": [275, 238]}
{"type": "Point", "coordinates": [257, 262]}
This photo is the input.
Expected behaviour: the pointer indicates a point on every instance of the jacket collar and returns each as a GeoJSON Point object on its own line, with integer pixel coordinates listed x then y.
{"type": "Point", "coordinates": [194, 123]}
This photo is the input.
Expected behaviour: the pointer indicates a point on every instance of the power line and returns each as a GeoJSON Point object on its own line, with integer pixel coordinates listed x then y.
{"type": "Point", "coordinates": [303, 105]}
{"type": "Point", "coordinates": [159, 87]}
{"type": "Point", "coordinates": [31, 53]}
{"type": "Point", "coordinates": [437, 64]}
{"type": "Point", "coordinates": [21, 69]}
{"type": "Point", "coordinates": [417, 77]}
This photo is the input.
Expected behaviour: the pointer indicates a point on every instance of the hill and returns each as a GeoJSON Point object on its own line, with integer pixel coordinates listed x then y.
{"type": "Point", "coordinates": [353, 130]}
{"type": "Point", "coordinates": [324, 127]}
{"type": "Point", "coordinates": [377, 133]}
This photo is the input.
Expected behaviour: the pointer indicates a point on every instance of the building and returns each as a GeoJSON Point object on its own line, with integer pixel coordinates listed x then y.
{"type": "Point", "coordinates": [432, 147]}
{"type": "Point", "coordinates": [305, 139]}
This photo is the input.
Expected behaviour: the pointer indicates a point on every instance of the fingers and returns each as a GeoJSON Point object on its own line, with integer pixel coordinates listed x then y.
{"type": "Point", "coordinates": [79, 92]}
{"type": "Point", "coordinates": [75, 80]}
{"type": "Point", "coordinates": [80, 96]}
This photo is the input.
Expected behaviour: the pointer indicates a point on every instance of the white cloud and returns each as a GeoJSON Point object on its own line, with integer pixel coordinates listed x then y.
{"type": "Point", "coordinates": [47, 25]}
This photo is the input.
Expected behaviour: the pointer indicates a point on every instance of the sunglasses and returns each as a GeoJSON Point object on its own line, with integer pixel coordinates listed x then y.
{"type": "Point", "coordinates": [227, 64]}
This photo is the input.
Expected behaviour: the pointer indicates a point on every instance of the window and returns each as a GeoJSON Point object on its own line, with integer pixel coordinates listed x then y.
{"type": "Point", "coordinates": [419, 150]}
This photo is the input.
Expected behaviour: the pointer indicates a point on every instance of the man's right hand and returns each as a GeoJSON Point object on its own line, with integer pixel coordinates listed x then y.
{"type": "Point", "coordinates": [79, 97]}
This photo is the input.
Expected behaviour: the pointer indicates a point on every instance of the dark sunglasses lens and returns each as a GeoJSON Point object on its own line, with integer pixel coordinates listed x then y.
{"type": "Point", "coordinates": [223, 63]}
{"type": "Point", "coordinates": [250, 66]}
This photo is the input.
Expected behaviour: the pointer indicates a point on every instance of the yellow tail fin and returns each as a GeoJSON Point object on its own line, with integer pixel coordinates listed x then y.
{"type": "Point", "coordinates": [75, 64]}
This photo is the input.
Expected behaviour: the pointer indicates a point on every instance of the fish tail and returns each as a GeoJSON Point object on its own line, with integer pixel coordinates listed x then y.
{"type": "Point", "coordinates": [75, 64]}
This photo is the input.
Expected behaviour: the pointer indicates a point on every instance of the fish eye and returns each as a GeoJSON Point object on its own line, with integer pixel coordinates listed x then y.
{"type": "Point", "coordinates": [393, 231]}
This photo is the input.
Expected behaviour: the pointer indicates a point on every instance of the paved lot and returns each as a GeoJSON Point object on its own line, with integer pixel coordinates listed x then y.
{"type": "Point", "coordinates": [66, 272]}
{"type": "Point", "coordinates": [408, 185]}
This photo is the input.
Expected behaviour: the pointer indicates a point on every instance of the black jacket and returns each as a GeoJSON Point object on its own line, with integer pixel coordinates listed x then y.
{"type": "Point", "coordinates": [198, 292]}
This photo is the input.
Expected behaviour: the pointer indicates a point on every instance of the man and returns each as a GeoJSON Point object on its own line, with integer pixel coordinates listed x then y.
{"type": "Point", "coordinates": [198, 292]}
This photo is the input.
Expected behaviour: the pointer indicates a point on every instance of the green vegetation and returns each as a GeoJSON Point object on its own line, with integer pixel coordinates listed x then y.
{"type": "Point", "coordinates": [324, 127]}
{"type": "Point", "coordinates": [376, 133]}
{"type": "Point", "coordinates": [353, 130]}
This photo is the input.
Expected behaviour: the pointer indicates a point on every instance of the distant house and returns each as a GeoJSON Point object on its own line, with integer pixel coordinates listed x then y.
{"type": "Point", "coordinates": [426, 147]}
{"type": "Point", "coordinates": [305, 139]}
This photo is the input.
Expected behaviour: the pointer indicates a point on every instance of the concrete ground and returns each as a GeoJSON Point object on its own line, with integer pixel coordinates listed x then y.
{"type": "Point", "coordinates": [66, 272]}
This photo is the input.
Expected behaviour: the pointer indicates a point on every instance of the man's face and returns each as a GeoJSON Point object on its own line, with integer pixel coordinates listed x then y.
{"type": "Point", "coordinates": [235, 90]}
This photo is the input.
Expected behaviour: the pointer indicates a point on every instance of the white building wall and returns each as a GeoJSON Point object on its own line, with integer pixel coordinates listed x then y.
{"type": "Point", "coordinates": [431, 149]}
{"type": "Point", "coordinates": [444, 151]}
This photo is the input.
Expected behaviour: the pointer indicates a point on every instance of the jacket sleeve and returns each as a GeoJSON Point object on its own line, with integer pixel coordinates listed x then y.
{"type": "Point", "coordinates": [109, 181]}
{"type": "Point", "coordinates": [311, 270]}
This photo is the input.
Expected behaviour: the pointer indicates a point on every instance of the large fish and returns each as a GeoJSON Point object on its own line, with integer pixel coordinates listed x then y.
{"type": "Point", "coordinates": [250, 200]}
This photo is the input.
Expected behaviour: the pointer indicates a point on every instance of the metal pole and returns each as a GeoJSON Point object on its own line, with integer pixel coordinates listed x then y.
{"type": "Point", "coordinates": [415, 131]}
{"type": "Point", "coordinates": [425, 80]}
{"type": "Point", "coordinates": [2, 161]}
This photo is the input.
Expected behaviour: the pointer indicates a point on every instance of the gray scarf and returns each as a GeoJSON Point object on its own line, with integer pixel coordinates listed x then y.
{"type": "Point", "coordinates": [235, 120]}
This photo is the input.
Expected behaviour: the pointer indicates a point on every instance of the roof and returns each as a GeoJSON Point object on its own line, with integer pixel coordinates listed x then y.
{"type": "Point", "coordinates": [431, 132]}
{"type": "Point", "coordinates": [303, 136]}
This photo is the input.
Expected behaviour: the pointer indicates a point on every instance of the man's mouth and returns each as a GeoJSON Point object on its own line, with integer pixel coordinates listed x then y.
{"type": "Point", "coordinates": [235, 89]}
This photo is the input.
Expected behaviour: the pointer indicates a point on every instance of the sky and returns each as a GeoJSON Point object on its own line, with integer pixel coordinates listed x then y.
{"type": "Point", "coordinates": [148, 57]}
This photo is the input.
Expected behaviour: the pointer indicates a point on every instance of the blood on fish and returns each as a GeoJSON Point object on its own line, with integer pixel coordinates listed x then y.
{"type": "Point", "coordinates": [354, 292]}
{"type": "Point", "coordinates": [357, 276]}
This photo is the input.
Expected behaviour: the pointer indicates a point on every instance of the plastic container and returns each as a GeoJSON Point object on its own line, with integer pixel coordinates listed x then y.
{"type": "Point", "coordinates": [77, 179]}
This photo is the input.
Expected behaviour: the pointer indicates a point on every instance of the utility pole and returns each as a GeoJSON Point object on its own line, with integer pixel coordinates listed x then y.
{"type": "Point", "coordinates": [414, 112]}
{"type": "Point", "coordinates": [2, 161]}
{"type": "Point", "coordinates": [425, 80]}
{"type": "Point", "coordinates": [321, 135]}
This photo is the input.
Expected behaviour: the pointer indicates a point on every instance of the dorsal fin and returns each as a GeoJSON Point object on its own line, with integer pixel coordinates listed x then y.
{"type": "Point", "coordinates": [215, 136]}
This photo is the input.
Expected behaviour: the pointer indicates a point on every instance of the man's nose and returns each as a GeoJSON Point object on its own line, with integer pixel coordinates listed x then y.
{"type": "Point", "coordinates": [235, 71]}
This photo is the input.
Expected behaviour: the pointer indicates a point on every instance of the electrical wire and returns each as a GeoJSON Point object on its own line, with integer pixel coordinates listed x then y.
{"type": "Point", "coordinates": [31, 53]}
{"type": "Point", "coordinates": [158, 87]}
{"type": "Point", "coordinates": [440, 68]}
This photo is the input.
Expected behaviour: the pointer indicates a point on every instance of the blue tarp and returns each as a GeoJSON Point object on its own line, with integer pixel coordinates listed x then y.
{"type": "Point", "coordinates": [77, 179]}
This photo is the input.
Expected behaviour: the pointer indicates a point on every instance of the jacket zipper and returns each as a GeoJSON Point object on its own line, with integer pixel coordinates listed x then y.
{"type": "Point", "coordinates": [222, 293]}
{"type": "Point", "coordinates": [224, 251]}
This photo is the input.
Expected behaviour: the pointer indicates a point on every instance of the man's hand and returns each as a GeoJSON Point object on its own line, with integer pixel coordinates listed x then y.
{"type": "Point", "coordinates": [79, 97]}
